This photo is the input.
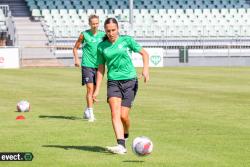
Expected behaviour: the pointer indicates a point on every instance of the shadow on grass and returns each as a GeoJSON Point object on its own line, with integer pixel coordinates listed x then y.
{"type": "Point", "coordinates": [133, 161]}
{"type": "Point", "coordinates": [84, 148]}
{"type": "Point", "coordinates": [59, 117]}
{"type": "Point", "coordinates": [20, 111]}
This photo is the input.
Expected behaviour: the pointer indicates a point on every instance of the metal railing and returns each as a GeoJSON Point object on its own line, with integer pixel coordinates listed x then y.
{"type": "Point", "coordinates": [154, 32]}
{"type": "Point", "coordinates": [11, 29]}
{"type": "Point", "coordinates": [6, 10]}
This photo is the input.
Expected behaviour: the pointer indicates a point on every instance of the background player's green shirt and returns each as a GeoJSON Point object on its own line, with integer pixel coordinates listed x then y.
{"type": "Point", "coordinates": [117, 57]}
{"type": "Point", "coordinates": [89, 49]}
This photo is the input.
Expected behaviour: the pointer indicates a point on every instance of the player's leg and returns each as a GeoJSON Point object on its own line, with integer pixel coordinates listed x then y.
{"type": "Point", "coordinates": [115, 107]}
{"type": "Point", "coordinates": [129, 89]}
{"type": "Point", "coordinates": [88, 79]}
{"type": "Point", "coordinates": [125, 120]}
{"type": "Point", "coordinates": [90, 90]}
{"type": "Point", "coordinates": [114, 100]}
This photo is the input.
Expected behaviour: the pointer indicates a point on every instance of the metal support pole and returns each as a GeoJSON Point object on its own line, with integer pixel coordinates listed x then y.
{"type": "Point", "coordinates": [131, 16]}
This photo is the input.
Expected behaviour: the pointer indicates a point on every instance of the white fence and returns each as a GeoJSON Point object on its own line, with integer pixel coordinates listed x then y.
{"type": "Point", "coordinates": [14, 57]}
{"type": "Point", "coordinates": [9, 57]}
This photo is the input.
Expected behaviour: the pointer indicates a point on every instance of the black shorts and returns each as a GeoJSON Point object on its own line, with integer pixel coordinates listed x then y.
{"type": "Point", "coordinates": [88, 75]}
{"type": "Point", "coordinates": [125, 89]}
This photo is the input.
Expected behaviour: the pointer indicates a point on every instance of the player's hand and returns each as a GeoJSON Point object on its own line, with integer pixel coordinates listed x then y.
{"type": "Point", "coordinates": [145, 74]}
{"type": "Point", "coordinates": [95, 96]}
{"type": "Point", "coordinates": [77, 63]}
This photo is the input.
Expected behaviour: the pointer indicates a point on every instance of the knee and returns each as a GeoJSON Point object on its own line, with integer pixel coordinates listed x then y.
{"type": "Point", "coordinates": [115, 116]}
{"type": "Point", "coordinates": [124, 118]}
{"type": "Point", "coordinates": [90, 91]}
{"type": "Point", "coordinates": [89, 94]}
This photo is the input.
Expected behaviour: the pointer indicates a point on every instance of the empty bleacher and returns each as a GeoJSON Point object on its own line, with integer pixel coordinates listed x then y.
{"type": "Point", "coordinates": [17, 7]}
{"type": "Point", "coordinates": [3, 27]}
{"type": "Point", "coordinates": [4, 20]}
{"type": "Point", "coordinates": [170, 24]}
{"type": "Point", "coordinates": [138, 4]}
{"type": "Point", "coordinates": [171, 19]}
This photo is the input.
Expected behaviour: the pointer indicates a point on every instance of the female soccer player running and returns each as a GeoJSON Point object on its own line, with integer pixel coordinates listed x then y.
{"type": "Point", "coordinates": [122, 82]}
{"type": "Point", "coordinates": [89, 39]}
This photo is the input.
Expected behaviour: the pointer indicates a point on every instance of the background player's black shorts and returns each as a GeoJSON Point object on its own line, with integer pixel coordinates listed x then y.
{"type": "Point", "coordinates": [125, 89]}
{"type": "Point", "coordinates": [88, 75]}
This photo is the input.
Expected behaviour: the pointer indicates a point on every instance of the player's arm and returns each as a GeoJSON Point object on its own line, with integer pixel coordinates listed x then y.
{"type": "Point", "coordinates": [100, 74]}
{"type": "Point", "coordinates": [145, 71]}
{"type": "Point", "coordinates": [76, 47]}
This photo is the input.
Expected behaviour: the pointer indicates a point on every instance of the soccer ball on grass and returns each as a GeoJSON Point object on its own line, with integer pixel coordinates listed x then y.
{"type": "Point", "coordinates": [142, 146]}
{"type": "Point", "coordinates": [23, 106]}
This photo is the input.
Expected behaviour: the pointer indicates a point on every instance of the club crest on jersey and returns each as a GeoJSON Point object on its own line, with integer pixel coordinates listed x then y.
{"type": "Point", "coordinates": [93, 40]}
{"type": "Point", "coordinates": [120, 46]}
{"type": "Point", "coordinates": [99, 39]}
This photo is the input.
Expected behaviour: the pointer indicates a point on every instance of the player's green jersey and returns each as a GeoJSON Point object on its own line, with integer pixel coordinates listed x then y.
{"type": "Point", "coordinates": [89, 49]}
{"type": "Point", "coordinates": [117, 57]}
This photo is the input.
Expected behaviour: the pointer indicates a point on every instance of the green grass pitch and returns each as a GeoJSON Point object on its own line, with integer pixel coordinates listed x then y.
{"type": "Point", "coordinates": [195, 116]}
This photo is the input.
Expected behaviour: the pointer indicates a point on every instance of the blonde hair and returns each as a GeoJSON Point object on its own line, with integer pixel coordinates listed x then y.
{"type": "Point", "coordinates": [93, 16]}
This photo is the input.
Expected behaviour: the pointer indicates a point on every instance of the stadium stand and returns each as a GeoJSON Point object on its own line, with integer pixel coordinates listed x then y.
{"type": "Point", "coordinates": [164, 23]}
{"type": "Point", "coordinates": [3, 29]}
{"type": "Point", "coordinates": [138, 4]}
{"type": "Point", "coordinates": [178, 19]}
{"type": "Point", "coordinates": [27, 35]}
{"type": "Point", "coordinates": [4, 23]}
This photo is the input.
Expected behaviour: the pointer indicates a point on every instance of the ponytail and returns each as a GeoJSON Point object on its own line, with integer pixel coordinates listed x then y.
{"type": "Point", "coordinates": [105, 38]}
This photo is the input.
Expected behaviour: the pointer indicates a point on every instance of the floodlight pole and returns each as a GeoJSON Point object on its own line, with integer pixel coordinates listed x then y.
{"type": "Point", "coordinates": [131, 16]}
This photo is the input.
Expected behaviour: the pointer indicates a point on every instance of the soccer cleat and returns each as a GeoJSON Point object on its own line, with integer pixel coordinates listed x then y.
{"type": "Point", "coordinates": [91, 116]}
{"type": "Point", "coordinates": [119, 149]}
{"type": "Point", "coordinates": [91, 119]}
{"type": "Point", "coordinates": [86, 114]}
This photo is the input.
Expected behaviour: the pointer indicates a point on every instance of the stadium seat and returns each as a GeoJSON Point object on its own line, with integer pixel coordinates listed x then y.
{"type": "Point", "coordinates": [63, 12]}
{"type": "Point", "coordinates": [100, 12]}
{"type": "Point", "coordinates": [2, 16]}
{"type": "Point", "coordinates": [242, 11]}
{"type": "Point", "coordinates": [72, 13]}
{"type": "Point", "coordinates": [181, 17]}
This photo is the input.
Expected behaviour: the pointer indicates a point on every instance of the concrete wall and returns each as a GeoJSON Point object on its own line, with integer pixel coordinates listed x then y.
{"type": "Point", "coordinates": [196, 57]}
{"type": "Point", "coordinates": [209, 57]}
